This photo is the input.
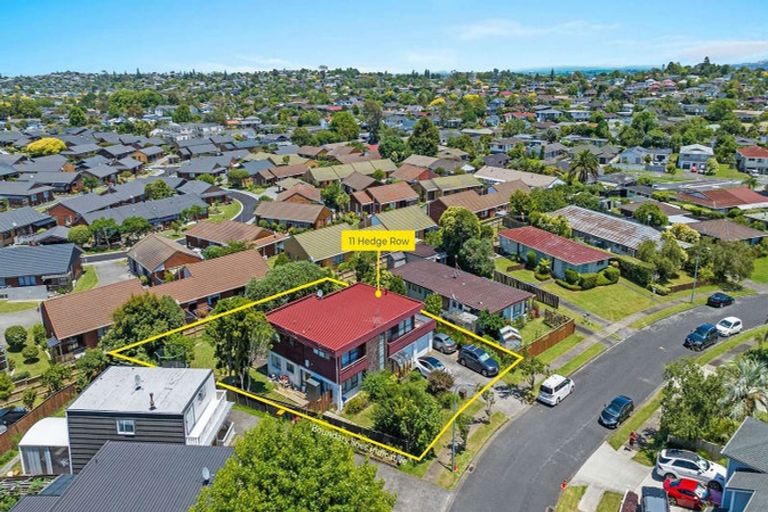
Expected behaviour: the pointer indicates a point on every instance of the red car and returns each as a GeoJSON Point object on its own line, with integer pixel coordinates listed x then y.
{"type": "Point", "coordinates": [686, 493]}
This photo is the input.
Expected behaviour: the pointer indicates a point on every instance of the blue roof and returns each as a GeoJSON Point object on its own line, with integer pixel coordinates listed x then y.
{"type": "Point", "coordinates": [37, 260]}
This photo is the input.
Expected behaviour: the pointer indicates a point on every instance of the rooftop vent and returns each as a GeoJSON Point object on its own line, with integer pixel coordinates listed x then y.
{"type": "Point", "coordinates": [206, 476]}
{"type": "Point", "coordinates": [152, 402]}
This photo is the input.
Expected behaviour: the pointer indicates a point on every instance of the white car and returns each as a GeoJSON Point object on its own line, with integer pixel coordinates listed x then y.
{"type": "Point", "coordinates": [429, 364]}
{"type": "Point", "coordinates": [677, 464]}
{"type": "Point", "coordinates": [554, 389]}
{"type": "Point", "coordinates": [728, 326]}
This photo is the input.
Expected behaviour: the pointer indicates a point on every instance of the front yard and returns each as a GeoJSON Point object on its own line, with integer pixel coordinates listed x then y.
{"type": "Point", "coordinates": [224, 212]}
{"type": "Point", "coordinates": [760, 274]}
{"type": "Point", "coordinates": [612, 302]}
{"type": "Point", "coordinates": [88, 280]}
{"type": "Point", "coordinates": [15, 307]}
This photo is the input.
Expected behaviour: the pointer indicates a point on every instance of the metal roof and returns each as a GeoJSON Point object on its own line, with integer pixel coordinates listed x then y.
{"type": "Point", "coordinates": [150, 210]}
{"type": "Point", "coordinates": [606, 227]}
{"type": "Point", "coordinates": [749, 445]}
{"type": "Point", "coordinates": [37, 260]}
{"type": "Point", "coordinates": [20, 218]}
{"type": "Point", "coordinates": [410, 217]}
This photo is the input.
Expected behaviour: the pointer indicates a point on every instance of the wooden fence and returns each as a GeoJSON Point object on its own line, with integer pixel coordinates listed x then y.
{"type": "Point", "coordinates": [543, 296]}
{"type": "Point", "coordinates": [552, 338]}
{"type": "Point", "coordinates": [10, 437]}
{"type": "Point", "coordinates": [712, 449]}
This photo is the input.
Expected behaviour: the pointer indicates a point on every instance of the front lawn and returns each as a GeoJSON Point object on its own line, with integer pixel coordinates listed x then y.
{"type": "Point", "coordinates": [224, 212]}
{"type": "Point", "coordinates": [612, 302]}
{"type": "Point", "coordinates": [15, 307]}
{"type": "Point", "coordinates": [88, 280]}
{"type": "Point", "coordinates": [580, 360]}
{"type": "Point", "coordinates": [633, 424]}
{"type": "Point", "coordinates": [35, 367]}
{"type": "Point", "coordinates": [760, 274]}
{"type": "Point", "coordinates": [570, 498]}
{"type": "Point", "coordinates": [610, 502]}
{"type": "Point", "coordinates": [727, 172]}
{"type": "Point", "coordinates": [549, 355]}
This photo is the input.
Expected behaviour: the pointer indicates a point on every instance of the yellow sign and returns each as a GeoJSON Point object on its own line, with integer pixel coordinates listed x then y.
{"type": "Point", "coordinates": [377, 240]}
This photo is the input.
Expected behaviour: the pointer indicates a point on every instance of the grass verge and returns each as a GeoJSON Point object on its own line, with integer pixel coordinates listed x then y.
{"type": "Point", "coordinates": [561, 348]}
{"type": "Point", "coordinates": [610, 502]}
{"type": "Point", "coordinates": [15, 307]}
{"type": "Point", "coordinates": [570, 498]}
{"type": "Point", "coordinates": [725, 346]}
{"type": "Point", "coordinates": [635, 421]}
{"type": "Point", "coordinates": [88, 280]}
{"type": "Point", "coordinates": [580, 360]}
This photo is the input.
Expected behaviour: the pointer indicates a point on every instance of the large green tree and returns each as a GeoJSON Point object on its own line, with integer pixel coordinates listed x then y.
{"type": "Point", "coordinates": [158, 189]}
{"type": "Point", "coordinates": [583, 167]}
{"type": "Point", "coordinates": [77, 116]}
{"type": "Point", "coordinates": [425, 138]}
{"type": "Point", "coordinates": [278, 467]}
{"type": "Point", "coordinates": [283, 278]}
{"type": "Point", "coordinates": [475, 256]}
{"type": "Point", "coordinates": [458, 225]}
{"type": "Point", "coordinates": [373, 115]}
{"type": "Point", "coordinates": [746, 388]}
{"type": "Point", "coordinates": [345, 125]}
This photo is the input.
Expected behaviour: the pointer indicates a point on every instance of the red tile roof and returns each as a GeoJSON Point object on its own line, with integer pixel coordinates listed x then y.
{"type": "Point", "coordinates": [553, 245]}
{"type": "Point", "coordinates": [753, 152]}
{"type": "Point", "coordinates": [723, 197]}
{"type": "Point", "coordinates": [392, 193]}
{"type": "Point", "coordinates": [343, 318]}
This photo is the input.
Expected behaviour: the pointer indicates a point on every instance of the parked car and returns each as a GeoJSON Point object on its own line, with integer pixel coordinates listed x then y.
{"type": "Point", "coordinates": [443, 343]}
{"type": "Point", "coordinates": [702, 337]}
{"type": "Point", "coordinates": [719, 300]}
{"type": "Point", "coordinates": [728, 326]}
{"type": "Point", "coordinates": [555, 388]}
{"type": "Point", "coordinates": [10, 415]}
{"type": "Point", "coordinates": [477, 359]}
{"type": "Point", "coordinates": [428, 364]}
{"type": "Point", "coordinates": [686, 493]}
{"type": "Point", "coordinates": [616, 412]}
{"type": "Point", "coordinates": [654, 500]}
{"type": "Point", "coordinates": [675, 464]}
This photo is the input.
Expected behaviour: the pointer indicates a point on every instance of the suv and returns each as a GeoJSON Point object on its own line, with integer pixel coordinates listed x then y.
{"type": "Point", "coordinates": [654, 500]}
{"type": "Point", "coordinates": [701, 338]}
{"type": "Point", "coordinates": [477, 359]}
{"type": "Point", "coordinates": [554, 389]}
{"type": "Point", "coordinates": [678, 464]}
{"type": "Point", "coordinates": [444, 343]}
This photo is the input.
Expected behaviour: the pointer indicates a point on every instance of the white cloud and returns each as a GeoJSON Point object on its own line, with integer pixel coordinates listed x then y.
{"type": "Point", "coordinates": [503, 28]}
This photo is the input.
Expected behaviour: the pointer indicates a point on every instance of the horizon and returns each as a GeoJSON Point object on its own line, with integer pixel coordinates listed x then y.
{"type": "Point", "coordinates": [37, 36]}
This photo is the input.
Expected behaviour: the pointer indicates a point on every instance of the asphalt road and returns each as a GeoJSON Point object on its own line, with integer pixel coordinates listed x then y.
{"type": "Point", "coordinates": [249, 204]}
{"type": "Point", "coordinates": [522, 469]}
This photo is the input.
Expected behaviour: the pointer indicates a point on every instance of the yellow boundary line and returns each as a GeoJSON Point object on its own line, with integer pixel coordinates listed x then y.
{"type": "Point", "coordinates": [117, 353]}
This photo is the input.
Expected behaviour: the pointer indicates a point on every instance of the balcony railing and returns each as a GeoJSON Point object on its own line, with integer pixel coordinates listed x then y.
{"type": "Point", "coordinates": [212, 423]}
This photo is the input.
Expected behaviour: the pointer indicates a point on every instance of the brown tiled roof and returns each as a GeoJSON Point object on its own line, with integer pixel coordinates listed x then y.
{"type": "Point", "coordinates": [87, 311]}
{"type": "Point", "coordinates": [309, 151]}
{"type": "Point", "coordinates": [753, 152]}
{"type": "Point", "coordinates": [154, 250]}
{"type": "Point", "coordinates": [723, 197]}
{"type": "Point", "coordinates": [355, 157]}
{"type": "Point", "coordinates": [392, 193]}
{"type": "Point", "coordinates": [357, 181]}
{"type": "Point", "coordinates": [507, 188]}
{"type": "Point", "coordinates": [303, 189]}
{"type": "Point", "coordinates": [297, 212]}
{"type": "Point", "coordinates": [724, 229]}
{"type": "Point", "coordinates": [288, 171]}
{"type": "Point", "coordinates": [362, 197]}
{"type": "Point", "coordinates": [226, 231]}
{"type": "Point", "coordinates": [474, 202]}
{"type": "Point", "coordinates": [408, 172]}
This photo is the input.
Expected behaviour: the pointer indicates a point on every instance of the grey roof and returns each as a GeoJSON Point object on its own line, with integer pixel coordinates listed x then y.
{"type": "Point", "coordinates": [51, 235]}
{"type": "Point", "coordinates": [7, 169]}
{"type": "Point", "coordinates": [151, 150]}
{"type": "Point", "coordinates": [133, 477]}
{"type": "Point", "coordinates": [254, 166]}
{"type": "Point", "coordinates": [755, 482]}
{"type": "Point", "coordinates": [83, 149]}
{"type": "Point", "coordinates": [201, 188]}
{"type": "Point", "coordinates": [37, 260]}
{"type": "Point", "coordinates": [118, 150]}
{"type": "Point", "coordinates": [94, 161]}
{"type": "Point", "coordinates": [202, 149]}
{"type": "Point", "coordinates": [86, 203]}
{"type": "Point", "coordinates": [21, 217]}
{"type": "Point", "coordinates": [102, 171]}
{"type": "Point", "coordinates": [129, 163]}
{"type": "Point", "coordinates": [21, 188]}
{"type": "Point", "coordinates": [150, 210]}
{"type": "Point", "coordinates": [607, 227]}
{"type": "Point", "coordinates": [115, 391]}
{"type": "Point", "coordinates": [35, 504]}
{"type": "Point", "coordinates": [749, 445]}
{"type": "Point", "coordinates": [51, 178]}
{"type": "Point", "coordinates": [202, 165]}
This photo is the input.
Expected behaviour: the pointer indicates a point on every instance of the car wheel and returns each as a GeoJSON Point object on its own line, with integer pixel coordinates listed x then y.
{"type": "Point", "coordinates": [557, 402]}
{"type": "Point", "coordinates": [484, 372]}
{"type": "Point", "coordinates": [715, 485]}
{"type": "Point", "coordinates": [462, 362]}
{"type": "Point", "coordinates": [672, 501]}
{"type": "Point", "coordinates": [670, 476]}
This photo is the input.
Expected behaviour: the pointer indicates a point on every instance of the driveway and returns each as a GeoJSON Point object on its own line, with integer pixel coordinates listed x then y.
{"type": "Point", "coordinates": [522, 468]}
{"type": "Point", "coordinates": [111, 271]}
{"type": "Point", "coordinates": [27, 318]}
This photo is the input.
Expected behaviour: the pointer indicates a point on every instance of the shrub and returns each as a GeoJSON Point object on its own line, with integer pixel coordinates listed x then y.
{"type": "Point", "coordinates": [378, 384]}
{"type": "Point", "coordinates": [588, 281]}
{"type": "Point", "coordinates": [29, 398]}
{"type": "Point", "coordinates": [16, 337]}
{"type": "Point", "coordinates": [38, 334]}
{"type": "Point", "coordinates": [639, 272]}
{"type": "Point", "coordinates": [357, 403]}
{"type": "Point", "coordinates": [602, 280]}
{"type": "Point", "coordinates": [612, 274]}
{"type": "Point", "coordinates": [541, 276]}
{"type": "Point", "coordinates": [6, 386]}
{"type": "Point", "coordinates": [530, 260]}
{"type": "Point", "coordinates": [567, 285]}
{"type": "Point", "coordinates": [571, 276]}
{"type": "Point", "coordinates": [659, 289]}
{"type": "Point", "coordinates": [439, 382]}
{"type": "Point", "coordinates": [30, 353]}
{"type": "Point", "coordinates": [20, 375]}
{"type": "Point", "coordinates": [447, 399]}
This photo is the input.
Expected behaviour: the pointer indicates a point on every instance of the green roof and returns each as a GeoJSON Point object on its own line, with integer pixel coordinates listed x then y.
{"type": "Point", "coordinates": [451, 182]}
{"type": "Point", "coordinates": [339, 172]}
{"type": "Point", "coordinates": [411, 217]}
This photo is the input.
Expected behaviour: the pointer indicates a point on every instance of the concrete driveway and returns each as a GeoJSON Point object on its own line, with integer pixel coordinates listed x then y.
{"type": "Point", "coordinates": [26, 318]}
{"type": "Point", "coordinates": [111, 271]}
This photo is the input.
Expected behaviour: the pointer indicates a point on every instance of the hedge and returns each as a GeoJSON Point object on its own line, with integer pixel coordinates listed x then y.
{"type": "Point", "coordinates": [639, 272]}
{"type": "Point", "coordinates": [588, 281]}
{"type": "Point", "coordinates": [611, 274]}
{"type": "Point", "coordinates": [568, 286]}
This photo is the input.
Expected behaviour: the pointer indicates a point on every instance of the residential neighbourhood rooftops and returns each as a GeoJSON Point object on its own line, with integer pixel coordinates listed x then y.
{"type": "Point", "coordinates": [497, 174]}
{"type": "Point", "coordinates": [448, 183]}
{"type": "Point", "coordinates": [150, 210]}
{"type": "Point", "coordinates": [296, 212]}
{"type": "Point", "coordinates": [727, 230]}
{"type": "Point", "coordinates": [37, 260]}
{"type": "Point", "coordinates": [304, 190]}
{"type": "Point", "coordinates": [21, 217]}
{"type": "Point", "coordinates": [474, 202]}
{"type": "Point", "coordinates": [607, 227]}
{"type": "Point", "coordinates": [226, 231]}
{"type": "Point", "coordinates": [326, 320]}
{"type": "Point", "coordinates": [724, 198]}
{"type": "Point", "coordinates": [753, 151]}
{"type": "Point", "coordinates": [411, 217]}
{"type": "Point", "coordinates": [153, 250]}
{"type": "Point", "coordinates": [393, 193]}
{"type": "Point", "coordinates": [321, 244]}
{"type": "Point", "coordinates": [556, 246]}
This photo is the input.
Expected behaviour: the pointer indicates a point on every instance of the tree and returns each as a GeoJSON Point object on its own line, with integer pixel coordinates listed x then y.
{"type": "Point", "coordinates": [530, 367]}
{"type": "Point", "coordinates": [522, 204]}
{"type": "Point", "coordinates": [439, 382]}
{"type": "Point", "coordinates": [46, 146]}
{"type": "Point", "coordinates": [89, 366]}
{"type": "Point", "coordinates": [208, 178]}
{"type": "Point", "coordinates": [28, 398]}
{"type": "Point", "coordinates": [685, 233]}
{"type": "Point", "coordinates": [425, 138]}
{"type": "Point", "coordinates": [301, 136]}
{"type": "Point", "coordinates": [751, 182]}
{"type": "Point", "coordinates": [194, 212]}
{"type": "Point", "coordinates": [475, 256]}
{"type": "Point", "coordinates": [489, 324]}
{"type": "Point", "coordinates": [37, 332]}
{"type": "Point", "coordinates": [489, 399]}
{"type": "Point", "coordinates": [282, 278]}
{"type": "Point", "coordinates": [650, 214]}
{"type": "Point", "coordinates": [394, 148]}
{"type": "Point", "coordinates": [158, 189]}
{"type": "Point", "coordinates": [732, 262]}
{"type": "Point", "coordinates": [433, 304]}
{"type": "Point", "coordinates": [30, 353]}
{"type": "Point", "coordinates": [6, 386]}
{"type": "Point", "coordinates": [182, 114]}
{"type": "Point", "coordinates": [373, 115]}
{"type": "Point", "coordinates": [135, 227]}
{"type": "Point", "coordinates": [237, 177]}
{"type": "Point", "coordinates": [281, 466]}
{"type": "Point", "coordinates": [55, 376]}
{"type": "Point", "coordinates": [720, 108]}
{"type": "Point", "coordinates": [345, 125]}
{"type": "Point", "coordinates": [409, 413]}
{"type": "Point", "coordinates": [77, 116]}
{"type": "Point", "coordinates": [90, 182]}
{"type": "Point", "coordinates": [725, 149]}
{"type": "Point", "coordinates": [79, 235]}
{"type": "Point", "coordinates": [746, 389]}
{"type": "Point", "coordinates": [239, 339]}
{"type": "Point", "coordinates": [104, 231]}
{"type": "Point", "coordinates": [15, 337]}
{"type": "Point", "coordinates": [584, 167]}
{"type": "Point", "coordinates": [215, 251]}
{"type": "Point", "coordinates": [334, 196]}
{"type": "Point", "coordinates": [457, 225]}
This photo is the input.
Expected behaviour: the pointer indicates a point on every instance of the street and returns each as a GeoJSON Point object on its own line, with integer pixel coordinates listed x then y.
{"type": "Point", "coordinates": [249, 202]}
{"type": "Point", "coordinates": [522, 468]}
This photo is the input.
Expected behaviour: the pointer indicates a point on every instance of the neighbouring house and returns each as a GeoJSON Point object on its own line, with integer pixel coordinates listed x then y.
{"type": "Point", "coordinates": [320, 246]}
{"type": "Point", "coordinates": [270, 175]}
{"type": "Point", "coordinates": [485, 207]}
{"type": "Point", "coordinates": [154, 256]}
{"type": "Point", "coordinates": [357, 182]}
{"type": "Point", "coordinates": [300, 193]}
{"type": "Point", "coordinates": [22, 222]}
{"type": "Point", "coordinates": [25, 193]}
{"type": "Point", "coordinates": [44, 449]}
{"type": "Point", "coordinates": [205, 234]}
{"type": "Point", "coordinates": [326, 354]}
{"type": "Point", "coordinates": [137, 404]}
{"type": "Point", "coordinates": [673, 213]}
{"type": "Point", "coordinates": [724, 199]}
{"type": "Point", "coordinates": [148, 154]}
{"type": "Point", "coordinates": [461, 291]}
{"type": "Point", "coordinates": [293, 215]}
{"type": "Point", "coordinates": [752, 159]}
{"type": "Point", "coordinates": [71, 212]}
{"type": "Point", "coordinates": [654, 159]}
{"type": "Point", "coordinates": [563, 253]}
{"type": "Point", "coordinates": [605, 231]}
{"type": "Point", "coordinates": [60, 182]}
{"type": "Point", "coordinates": [728, 231]}
{"type": "Point", "coordinates": [102, 173]}
{"type": "Point", "coordinates": [211, 194]}
{"type": "Point", "coordinates": [746, 482]}
{"type": "Point", "coordinates": [693, 157]}
{"type": "Point", "coordinates": [159, 213]}
{"type": "Point", "coordinates": [324, 176]}
{"type": "Point", "coordinates": [130, 477]}
{"type": "Point", "coordinates": [383, 198]}
{"type": "Point", "coordinates": [408, 218]}
{"type": "Point", "coordinates": [441, 186]}
{"type": "Point", "coordinates": [54, 266]}
{"type": "Point", "coordinates": [493, 175]}
{"type": "Point", "coordinates": [412, 174]}
{"type": "Point", "coordinates": [116, 151]}
{"type": "Point", "coordinates": [192, 169]}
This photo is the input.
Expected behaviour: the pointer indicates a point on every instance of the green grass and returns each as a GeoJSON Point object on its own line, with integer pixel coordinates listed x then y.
{"type": "Point", "coordinates": [15, 307]}
{"type": "Point", "coordinates": [203, 355]}
{"type": "Point", "coordinates": [662, 314]}
{"type": "Point", "coordinates": [580, 360]}
{"type": "Point", "coordinates": [364, 418]}
{"type": "Point", "coordinates": [561, 348]}
{"type": "Point", "coordinates": [88, 280]}
{"type": "Point", "coordinates": [725, 346]}
{"type": "Point", "coordinates": [760, 274]}
{"type": "Point", "coordinates": [730, 173]}
{"type": "Point", "coordinates": [570, 498]}
{"type": "Point", "coordinates": [417, 469]}
{"type": "Point", "coordinates": [610, 502]}
{"type": "Point", "coordinates": [633, 424]}
{"type": "Point", "coordinates": [35, 367]}
{"type": "Point", "coordinates": [224, 212]}
{"type": "Point", "coordinates": [612, 302]}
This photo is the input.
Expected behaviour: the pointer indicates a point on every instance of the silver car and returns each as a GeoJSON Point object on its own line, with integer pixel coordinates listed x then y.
{"type": "Point", "coordinates": [676, 464]}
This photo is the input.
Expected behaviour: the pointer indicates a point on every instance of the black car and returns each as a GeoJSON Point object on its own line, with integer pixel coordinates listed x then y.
{"type": "Point", "coordinates": [479, 360]}
{"type": "Point", "coordinates": [702, 337]}
{"type": "Point", "coordinates": [616, 412]}
{"type": "Point", "coordinates": [719, 300]}
{"type": "Point", "coordinates": [10, 415]}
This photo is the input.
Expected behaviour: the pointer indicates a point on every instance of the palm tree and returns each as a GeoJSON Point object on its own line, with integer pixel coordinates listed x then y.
{"type": "Point", "coordinates": [583, 167]}
{"type": "Point", "coordinates": [746, 389]}
{"type": "Point", "coordinates": [750, 182]}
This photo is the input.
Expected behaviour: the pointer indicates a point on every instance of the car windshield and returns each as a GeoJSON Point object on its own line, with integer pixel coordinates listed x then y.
{"type": "Point", "coordinates": [702, 330]}
{"type": "Point", "coordinates": [483, 356]}
{"type": "Point", "coordinates": [613, 409]}
{"type": "Point", "coordinates": [704, 464]}
{"type": "Point", "coordinates": [726, 323]}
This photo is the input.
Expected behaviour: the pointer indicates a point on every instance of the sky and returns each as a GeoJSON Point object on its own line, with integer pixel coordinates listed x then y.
{"type": "Point", "coordinates": [41, 36]}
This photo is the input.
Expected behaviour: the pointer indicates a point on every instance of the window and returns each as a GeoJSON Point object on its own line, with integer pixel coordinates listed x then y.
{"type": "Point", "coordinates": [274, 361]}
{"type": "Point", "coordinates": [289, 367]}
{"type": "Point", "coordinates": [26, 280]}
{"type": "Point", "coordinates": [320, 353]}
{"type": "Point", "coordinates": [351, 383]}
{"type": "Point", "coordinates": [351, 356]}
{"type": "Point", "coordinates": [126, 427]}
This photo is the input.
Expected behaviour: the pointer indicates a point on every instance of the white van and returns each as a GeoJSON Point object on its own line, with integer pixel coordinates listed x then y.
{"type": "Point", "coordinates": [555, 389]}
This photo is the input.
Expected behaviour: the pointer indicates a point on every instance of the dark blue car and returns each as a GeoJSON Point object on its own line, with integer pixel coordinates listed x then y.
{"type": "Point", "coordinates": [702, 337]}
{"type": "Point", "coordinates": [719, 300]}
{"type": "Point", "coordinates": [616, 412]}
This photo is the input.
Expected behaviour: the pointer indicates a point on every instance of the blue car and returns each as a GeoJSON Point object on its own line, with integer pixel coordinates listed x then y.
{"type": "Point", "coordinates": [616, 412]}
{"type": "Point", "coordinates": [702, 337]}
{"type": "Point", "coordinates": [477, 359]}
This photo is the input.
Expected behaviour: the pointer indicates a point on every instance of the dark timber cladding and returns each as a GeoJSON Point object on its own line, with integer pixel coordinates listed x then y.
{"type": "Point", "coordinates": [89, 430]}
